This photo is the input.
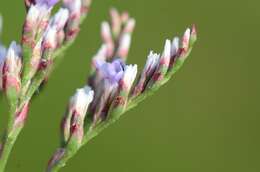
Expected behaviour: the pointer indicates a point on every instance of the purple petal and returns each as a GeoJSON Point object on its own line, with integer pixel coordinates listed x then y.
{"type": "Point", "coordinates": [49, 3]}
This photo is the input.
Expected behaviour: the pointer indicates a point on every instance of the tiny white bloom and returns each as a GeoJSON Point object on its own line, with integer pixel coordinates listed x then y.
{"type": "Point", "coordinates": [50, 38]}
{"type": "Point", "coordinates": [81, 100]}
{"type": "Point", "coordinates": [151, 63]}
{"type": "Point", "coordinates": [129, 76]}
{"type": "Point", "coordinates": [175, 46]}
{"type": "Point", "coordinates": [74, 6]}
{"type": "Point", "coordinates": [124, 45]}
{"type": "Point", "coordinates": [13, 59]}
{"type": "Point", "coordinates": [60, 19]}
{"type": "Point", "coordinates": [186, 39]}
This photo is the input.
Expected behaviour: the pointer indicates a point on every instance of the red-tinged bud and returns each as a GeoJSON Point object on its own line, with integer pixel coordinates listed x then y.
{"type": "Point", "coordinates": [50, 39]}
{"type": "Point", "coordinates": [11, 70]}
{"type": "Point", "coordinates": [151, 65]}
{"type": "Point", "coordinates": [186, 40]}
{"type": "Point", "coordinates": [116, 22]}
{"type": "Point", "coordinates": [130, 26]}
{"type": "Point", "coordinates": [73, 123]}
{"type": "Point", "coordinates": [128, 79]}
{"type": "Point", "coordinates": [85, 6]}
{"type": "Point", "coordinates": [124, 46]}
{"type": "Point", "coordinates": [107, 38]}
{"type": "Point", "coordinates": [193, 37]}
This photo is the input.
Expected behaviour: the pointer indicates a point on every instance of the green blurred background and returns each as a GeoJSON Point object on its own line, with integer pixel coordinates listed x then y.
{"type": "Point", "coordinates": [205, 120]}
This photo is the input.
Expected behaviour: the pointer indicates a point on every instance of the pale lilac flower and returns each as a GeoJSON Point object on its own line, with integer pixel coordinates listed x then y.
{"type": "Point", "coordinates": [112, 72]}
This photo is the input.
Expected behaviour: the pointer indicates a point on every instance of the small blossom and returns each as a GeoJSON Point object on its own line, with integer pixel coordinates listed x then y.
{"type": "Point", "coordinates": [112, 72]}
{"type": "Point", "coordinates": [81, 100]}
{"type": "Point", "coordinates": [175, 46]}
{"type": "Point", "coordinates": [107, 38]}
{"type": "Point", "coordinates": [186, 40]}
{"type": "Point", "coordinates": [151, 65]}
{"type": "Point", "coordinates": [74, 6]}
{"type": "Point", "coordinates": [49, 3]}
{"type": "Point", "coordinates": [124, 45]}
{"type": "Point", "coordinates": [50, 38]}
{"type": "Point", "coordinates": [12, 67]}
{"type": "Point", "coordinates": [60, 19]}
{"type": "Point", "coordinates": [129, 77]}
{"type": "Point", "coordinates": [73, 124]}
{"type": "Point", "coordinates": [116, 21]}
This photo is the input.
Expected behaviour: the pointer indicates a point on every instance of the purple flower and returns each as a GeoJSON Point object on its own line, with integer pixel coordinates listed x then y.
{"type": "Point", "coordinates": [112, 72]}
{"type": "Point", "coordinates": [49, 3]}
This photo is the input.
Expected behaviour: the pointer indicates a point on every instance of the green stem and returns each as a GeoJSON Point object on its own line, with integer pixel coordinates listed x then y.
{"type": "Point", "coordinates": [9, 139]}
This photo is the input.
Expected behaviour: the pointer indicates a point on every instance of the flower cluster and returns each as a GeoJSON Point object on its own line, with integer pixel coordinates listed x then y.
{"type": "Point", "coordinates": [113, 86]}
{"type": "Point", "coordinates": [26, 65]}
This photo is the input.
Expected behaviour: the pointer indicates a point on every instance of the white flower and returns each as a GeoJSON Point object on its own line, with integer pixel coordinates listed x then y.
{"type": "Point", "coordinates": [124, 45]}
{"type": "Point", "coordinates": [13, 59]}
{"type": "Point", "coordinates": [166, 55]}
{"type": "Point", "coordinates": [74, 6]}
{"type": "Point", "coordinates": [175, 46]}
{"type": "Point", "coordinates": [60, 19]}
{"type": "Point", "coordinates": [129, 76]}
{"type": "Point", "coordinates": [81, 100]}
{"type": "Point", "coordinates": [36, 14]}
{"type": "Point", "coordinates": [50, 38]}
{"type": "Point", "coordinates": [151, 63]}
{"type": "Point", "coordinates": [186, 39]}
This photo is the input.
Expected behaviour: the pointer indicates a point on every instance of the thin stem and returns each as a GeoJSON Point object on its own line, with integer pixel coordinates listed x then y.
{"type": "Point", "coordinates": [9, 139]}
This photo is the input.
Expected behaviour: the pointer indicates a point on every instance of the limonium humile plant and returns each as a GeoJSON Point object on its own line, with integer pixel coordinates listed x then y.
{"type": "Point", "coordinates": [113, 86]}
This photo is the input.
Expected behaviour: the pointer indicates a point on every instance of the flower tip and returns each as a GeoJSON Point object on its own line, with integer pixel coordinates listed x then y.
{"type": "Point", "coordinates": [167, 49]}
{"type": "Point", "coordinates": [175, 46]}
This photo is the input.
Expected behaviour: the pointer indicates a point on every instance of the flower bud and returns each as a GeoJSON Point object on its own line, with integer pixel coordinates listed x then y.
{"type": "Point", "coordinates": [74, 7]}
{"type": "Point", "coordinates": [11, 70]}
{"type": "Point", "coordinates": [50, 38]}
{"type": "Point", "coordinates": [73, 123]}
{"type": "Point", "coordinates": [186, 40]}
{"type": "Point", "coordinates": [128, 78]}
{"type": "Point", "coordinates": [149, 69]}
{"type": "Point", "coordinates": [124, 45]}
{"type": "Point", "coordinates": [60, 19]}
{"type": "Point", "coordinates": [107, 38]}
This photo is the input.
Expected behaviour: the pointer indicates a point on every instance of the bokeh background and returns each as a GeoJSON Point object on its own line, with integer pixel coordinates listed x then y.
{"type": "Point", "coordinates": [205, 119]}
